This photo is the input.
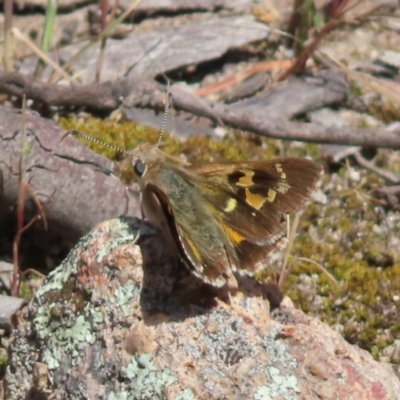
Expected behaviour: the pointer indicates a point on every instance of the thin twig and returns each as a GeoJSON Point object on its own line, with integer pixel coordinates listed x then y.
{"type": "Point", "coordinates": [299, 65]}
{"type": "Point", "coordinates": [266, 66]}
{"type": "Point", "coordinates": [336, 21]}
{"type": "Point", "coordinates": [387, 175]}
{"type": "Point", "coordinates": [100, 97]}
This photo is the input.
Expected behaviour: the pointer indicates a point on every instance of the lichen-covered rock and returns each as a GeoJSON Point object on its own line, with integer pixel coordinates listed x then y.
{"type": "Point", "coordinates": [102, 327]}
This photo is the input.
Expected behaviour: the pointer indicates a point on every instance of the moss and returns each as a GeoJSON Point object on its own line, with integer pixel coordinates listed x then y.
{"type": "Point", "coordinates": [127, 135]}
{"type": "Point", "coordinates": [26, 291]}
{"type": "Point", "coordinates": [123, 135]}
{"type": "Point", "coordinates": [3, 362]}
{"type": "Point", "coordinates": [350, 241]}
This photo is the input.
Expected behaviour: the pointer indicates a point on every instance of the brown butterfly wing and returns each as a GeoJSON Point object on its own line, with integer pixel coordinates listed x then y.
{"type": "Point", "coordinates": [253, 198]}
{"type": "Point", "coordinates": [199, 239]}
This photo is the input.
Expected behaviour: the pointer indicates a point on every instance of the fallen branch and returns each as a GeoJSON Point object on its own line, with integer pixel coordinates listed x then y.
{"type": "Point", "coordinates": [277, 129]}
{"type": "Point", "coordinates": [389, 176]}
{"type": "Point", "coordinates": [151, 95]}
{"type": "Point", "coordinates": [98, 97]}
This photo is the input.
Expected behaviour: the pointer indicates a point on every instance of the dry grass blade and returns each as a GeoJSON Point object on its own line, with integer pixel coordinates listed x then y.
{"type": "Point", "coordinates": [51, 13]}
{"type": "Point", "coordinates": [24, 188]}
{"type": "Point", "coordinates": [33, 271]}
{"type": "Point", "coordinates": [291, 234]}
{"type": "Point", "coordinates": [104, 9]}
{"type": "Point", "coordinates": [266, 66]}
{"type": "Point", "coordinates": [19, 35]}
{"type": "Point", "coordinates": [103, 23]}
{"type": "Point", "coordinates": [309, 260]}
{"type": "Point", "coordinates": [8, 37]}
{"type": "Point", "coordinates": [107, 32]}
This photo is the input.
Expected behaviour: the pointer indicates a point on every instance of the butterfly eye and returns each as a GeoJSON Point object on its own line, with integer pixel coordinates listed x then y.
{"type": "Point", "coordinates": [140, 168]}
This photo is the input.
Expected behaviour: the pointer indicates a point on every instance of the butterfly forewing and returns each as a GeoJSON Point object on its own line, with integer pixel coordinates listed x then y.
{"type": "Point", "coordinates": [252, 197]}
{"type": "Point", "coordinates": [253, 205]}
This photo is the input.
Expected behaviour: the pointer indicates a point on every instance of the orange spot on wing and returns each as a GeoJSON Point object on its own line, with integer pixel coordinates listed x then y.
{"type": "Point", "coordinates": [235, 236]}
{"type": "Point", "coordinates": [254, 200]}
{"type": "Point", "coordinates": [193, 247]}
{"type": "Point", "coordinates": [247, 179]}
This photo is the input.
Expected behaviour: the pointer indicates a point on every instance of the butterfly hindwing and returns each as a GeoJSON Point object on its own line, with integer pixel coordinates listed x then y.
{"type": "Point", "coordinates": [199, 238]}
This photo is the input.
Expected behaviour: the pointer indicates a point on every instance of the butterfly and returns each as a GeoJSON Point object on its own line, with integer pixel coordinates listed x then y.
{"type": "Point", "coordinates": [221, 217]}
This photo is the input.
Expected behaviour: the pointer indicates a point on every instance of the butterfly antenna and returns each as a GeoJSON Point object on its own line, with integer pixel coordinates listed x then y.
{"type": "Point", "coordinates": [94, 140]}
{"type": "Point", "coordinates": [164, 123]}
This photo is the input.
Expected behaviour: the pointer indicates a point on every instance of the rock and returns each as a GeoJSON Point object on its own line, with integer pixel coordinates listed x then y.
{"type": "Point", "coordinates": [327, 117]}
{"type": "Point", "coordinates": [144, 55]}
{"type": "Point", "coordinates": [311, 93]}
{"type": "Point", "coordinates": [6, 272]}
{"type": "Point", "coordinates": [76, 187]}
{"type": "Point", "coordinates": [181, 6]}
{"type": "Point", "coordinates": [391, 58]}
{"type": "Point", "coordinates": [9, 305]}
{"type": "Point", "coordinates": [103, 327]}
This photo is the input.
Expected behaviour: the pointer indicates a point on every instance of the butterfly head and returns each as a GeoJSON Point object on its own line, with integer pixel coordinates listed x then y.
{"type": "Point", "coordinates": [145, 157]}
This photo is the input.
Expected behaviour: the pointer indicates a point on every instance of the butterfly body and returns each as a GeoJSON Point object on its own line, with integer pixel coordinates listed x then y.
{"type": "Point", "coordinates": [222, 217]}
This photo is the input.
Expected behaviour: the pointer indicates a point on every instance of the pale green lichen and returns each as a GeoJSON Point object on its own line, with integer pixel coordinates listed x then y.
{"type": "Point", "coordinates": [125, 296]}
{"type": "Point", "coordinates": [281, 385]}
{"type": "Point", "coordinates": [118, 396]}
{"type": "Point", "coordinates": [57, 278]}
{"type": "Point", "coordinates": [95, 317]}
{"type": "Point", "coordinates": [72, 340]}
{"type": "Point", "coordinates": [144, 379]}
{"type": "Point", "coordinates": [128, 234]}
{"type": "Point", "coordinates": [42, 321]}
{"type": "Point", "coordinates": [187, 394]}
